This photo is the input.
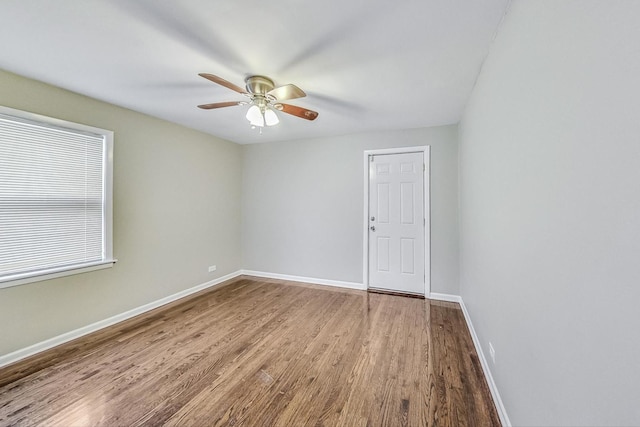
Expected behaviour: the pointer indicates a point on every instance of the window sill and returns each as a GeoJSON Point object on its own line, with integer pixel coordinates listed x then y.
{"type": "Point", "coordinates": [24, 278]}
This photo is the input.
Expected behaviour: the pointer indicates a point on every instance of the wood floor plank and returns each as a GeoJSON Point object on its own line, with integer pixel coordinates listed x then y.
{"type": "Point", "coordinates": [261, 352]}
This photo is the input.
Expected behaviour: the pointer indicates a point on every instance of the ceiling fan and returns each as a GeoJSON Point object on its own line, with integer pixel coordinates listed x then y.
{"type": "Point", "coordinates": [264, 98]}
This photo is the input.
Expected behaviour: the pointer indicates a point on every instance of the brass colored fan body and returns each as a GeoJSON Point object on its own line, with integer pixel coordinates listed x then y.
{"type": "Point", "coordinates": [259, 84]}
{"type": "Point", "coordinates": [262, 92]}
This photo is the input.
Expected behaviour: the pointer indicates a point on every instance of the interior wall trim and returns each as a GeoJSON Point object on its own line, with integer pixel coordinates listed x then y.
{"type": "Point", "coordinates": [23, 353]}
{"type": "Point", "coordinates": [446, 297]}
{"type": "Point", "coordinates": [312, 280]}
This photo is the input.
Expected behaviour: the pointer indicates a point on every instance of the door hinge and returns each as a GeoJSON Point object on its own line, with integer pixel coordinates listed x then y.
{"type": "Point", "coordinates": [424, 222]}
{"type": "Point", "coordinates": [424, 167]}
{"type": "Point", "coordinates": [371, 158]}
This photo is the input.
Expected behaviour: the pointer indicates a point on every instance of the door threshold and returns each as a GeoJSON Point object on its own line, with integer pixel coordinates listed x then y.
{"type": "Point", "coordinates": [395, 293]}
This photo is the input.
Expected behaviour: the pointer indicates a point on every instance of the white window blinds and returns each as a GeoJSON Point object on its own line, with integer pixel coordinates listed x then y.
{"type": "Point", "coordinates": [53, 197]}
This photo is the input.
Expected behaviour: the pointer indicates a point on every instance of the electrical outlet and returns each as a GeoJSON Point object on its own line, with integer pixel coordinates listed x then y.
{"type": "Point", "coordinates": [212, 268]}
{"type": "Point", "coordinates": [492, 353]}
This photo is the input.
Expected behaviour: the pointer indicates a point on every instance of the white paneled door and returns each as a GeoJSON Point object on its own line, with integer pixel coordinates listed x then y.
{"type": "Point", "coordinates": [397, 222]}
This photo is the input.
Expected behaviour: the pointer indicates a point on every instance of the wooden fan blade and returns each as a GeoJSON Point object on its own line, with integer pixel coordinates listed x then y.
{"type": "Point", "coordinates": [219, 105]}
{"type": "Point", "coordinates": [223, 82]}
{"type": "Point", "coordinates": [303, 113]}
{"type": "Point", "coordinates": [285, 92]}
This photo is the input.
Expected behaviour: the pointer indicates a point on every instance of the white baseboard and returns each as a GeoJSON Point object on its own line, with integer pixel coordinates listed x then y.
{"type": "Point", "coordinates": [312, 280]}
{"type": "Point", "coordinates": [502, 412]}
{"type": "Point", "coordinates": [445, 297]}
{"type": "Point", "coordinates": [85, 330]}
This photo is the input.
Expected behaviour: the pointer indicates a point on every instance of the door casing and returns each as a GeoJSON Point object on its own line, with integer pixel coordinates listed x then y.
{"type": "Point", "coordinates": [426, 209]}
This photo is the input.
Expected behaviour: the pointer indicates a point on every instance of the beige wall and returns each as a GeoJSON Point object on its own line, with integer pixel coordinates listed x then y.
{"type": "Point", "coordinates": [303, 203]}
{"type": "Point", "coordinates": [176, 211]}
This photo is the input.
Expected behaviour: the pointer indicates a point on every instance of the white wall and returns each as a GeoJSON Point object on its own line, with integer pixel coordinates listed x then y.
{"type": "Point", "coordinates": [303, 201]}
{"type": "Point", "coordinates": [176, 211]}
{"type": "Point", "coordinates": [550, 211]}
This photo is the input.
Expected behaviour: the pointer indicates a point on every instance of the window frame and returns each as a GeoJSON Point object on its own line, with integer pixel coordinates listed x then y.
{"type": "Point", "coordinates": [107, 226]}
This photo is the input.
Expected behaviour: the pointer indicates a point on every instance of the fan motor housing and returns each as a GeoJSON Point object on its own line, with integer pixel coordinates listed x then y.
{"type": "Point", "coordinates": [259, 84]}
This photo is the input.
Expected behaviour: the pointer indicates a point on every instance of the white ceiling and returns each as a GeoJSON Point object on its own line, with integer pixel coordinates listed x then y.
{"type": "Point", "coordinates": [365, 65]}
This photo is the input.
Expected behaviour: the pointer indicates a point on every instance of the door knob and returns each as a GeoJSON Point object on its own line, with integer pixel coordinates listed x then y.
{"type": "Point", "coordinates": [373, 228]}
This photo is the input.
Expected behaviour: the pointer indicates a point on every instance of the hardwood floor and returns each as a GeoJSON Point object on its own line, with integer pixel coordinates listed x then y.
{"type": "Point", "coordinates": [261, 353]}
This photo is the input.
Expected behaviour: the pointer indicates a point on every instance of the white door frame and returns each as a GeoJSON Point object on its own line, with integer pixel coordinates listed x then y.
{"type": "Point", "coordinates": [426, 150]}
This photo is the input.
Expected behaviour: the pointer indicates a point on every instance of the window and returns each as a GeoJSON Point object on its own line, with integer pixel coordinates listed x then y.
{"type": "Point", "coordinates": [55, 197]}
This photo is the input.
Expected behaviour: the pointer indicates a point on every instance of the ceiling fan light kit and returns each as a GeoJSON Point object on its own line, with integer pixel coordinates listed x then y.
{"type": "Point", "coordinates": [261, 116]}
{"type": "Point", "coordinates": [264, 99]}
